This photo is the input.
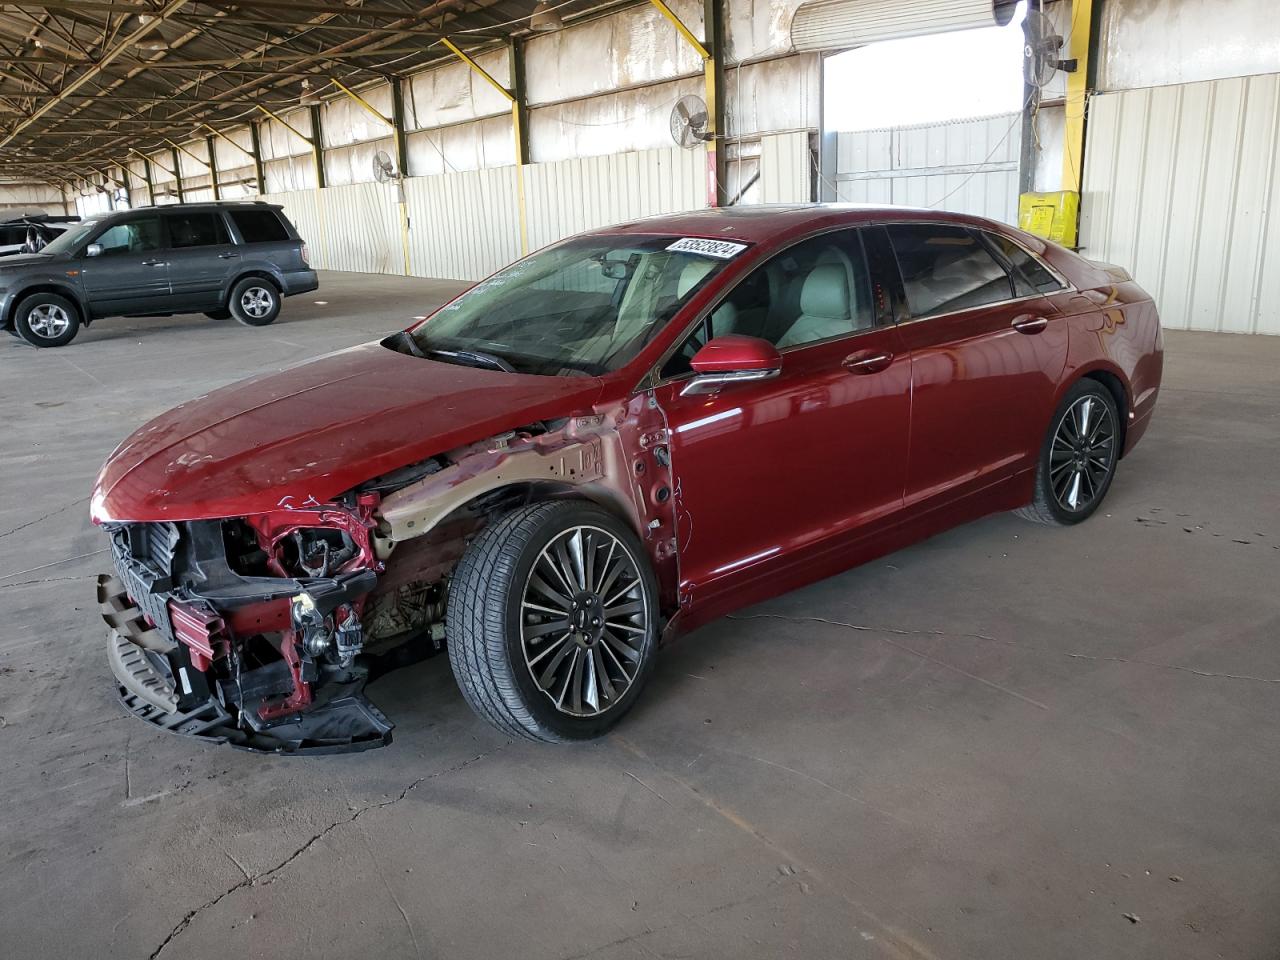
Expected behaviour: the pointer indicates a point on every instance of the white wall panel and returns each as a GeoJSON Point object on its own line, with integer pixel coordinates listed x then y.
{"type": "Point", "coordinates": [570, 196]}
{"type": "Point", "coordinates": [467, 146]}
{"type": "Point", "coordinates": [625, 121]}
{"type": "Point", "coordinates": [454, 92]}
{"type": "Point", "coordinates": [463, 226]}
{"type": "Point", "coordinates": [968, 166]}
{"type": "Point", "coordinates": [786, 168]}
{"type": "Point", "coordinates": [344, 121]}
{"type": "Point", "coordinates": [1180, 188]}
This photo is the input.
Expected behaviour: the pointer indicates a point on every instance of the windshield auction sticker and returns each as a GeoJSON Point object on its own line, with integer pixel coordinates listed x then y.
{"type": "Point", "coordinates": [720, 249]}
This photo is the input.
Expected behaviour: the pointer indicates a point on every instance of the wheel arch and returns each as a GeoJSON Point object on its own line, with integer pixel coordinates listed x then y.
{"type": "Point", "coordinates": [60, 290]}
{"type": "Point", "coordinates": [254, 273]}
{"type": "Point", "coordinates": [1116, 384]}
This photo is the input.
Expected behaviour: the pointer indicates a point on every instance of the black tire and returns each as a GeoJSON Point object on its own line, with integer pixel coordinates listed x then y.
{"type": "Point", "coordinates": [46, 320]}
{"type": "Point", "coordinates": [1053, 506]}
{"type": "Point", "coordinates": [218, 314]}
{"type": "Point", "coordinates": [484, 625]}
{"type": "Point", "coordinates": [250, 291]}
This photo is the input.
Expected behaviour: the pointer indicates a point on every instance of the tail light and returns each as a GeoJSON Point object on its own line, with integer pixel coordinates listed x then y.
{"type": "Point", "coordinates": [306, 257]}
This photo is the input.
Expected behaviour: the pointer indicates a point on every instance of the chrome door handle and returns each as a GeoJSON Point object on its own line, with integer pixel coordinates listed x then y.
{"type": "Point", "coordinates": [867, 361]}
{"type": "Point", "coordinates": [226, 255]}
{"type": "Point", "coordinates": [1030, 324]}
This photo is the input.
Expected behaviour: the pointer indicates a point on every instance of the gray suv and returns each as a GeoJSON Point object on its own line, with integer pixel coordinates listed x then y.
{"type": "Point", "coordinates": [221, 259]}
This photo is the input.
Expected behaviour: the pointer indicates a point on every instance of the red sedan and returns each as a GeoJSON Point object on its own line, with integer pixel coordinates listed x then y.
{"type": "Point", "coordinates": [602, 446]}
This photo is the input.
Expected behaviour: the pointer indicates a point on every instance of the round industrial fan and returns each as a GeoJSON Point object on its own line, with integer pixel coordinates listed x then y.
{"type": "Point", "coordinates": [689, 121]}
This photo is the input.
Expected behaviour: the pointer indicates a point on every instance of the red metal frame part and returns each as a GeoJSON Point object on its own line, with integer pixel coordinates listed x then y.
{"type": "Point", "coordinates": [273, 527]}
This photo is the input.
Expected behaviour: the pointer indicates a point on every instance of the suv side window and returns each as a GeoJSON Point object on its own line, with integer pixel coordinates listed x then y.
{"type": "Point", "coordinates": [946, 268]}
{"type": "Point", "coordinates": [1029, 274]}
{"type": "Point", "coordinates": [195, 230]}
{"type": "Point", "coordinates": [132, 236]}
{"type": "Point", "coordinates": [817, 290]}
{"type": "Point", "coordinates": [259, 226]}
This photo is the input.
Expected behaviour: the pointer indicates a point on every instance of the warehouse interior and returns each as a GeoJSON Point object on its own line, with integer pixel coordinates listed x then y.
{"type": "Point", "coordinates": [1003, 741]}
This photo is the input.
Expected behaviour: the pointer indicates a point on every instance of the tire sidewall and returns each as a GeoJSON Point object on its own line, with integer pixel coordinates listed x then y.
{"type": "Point", "coordinates": [534, 698]}
{"type": "Point", "coordinates": [23, 330]}
{"type": "Point", "coordinates": [1079, 390]}
{"type": "Point", "coordinates": [239, 290]}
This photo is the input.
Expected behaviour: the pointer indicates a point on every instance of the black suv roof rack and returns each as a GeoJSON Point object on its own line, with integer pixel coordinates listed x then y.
{"type": "Point", "coordinates": [40, 218]}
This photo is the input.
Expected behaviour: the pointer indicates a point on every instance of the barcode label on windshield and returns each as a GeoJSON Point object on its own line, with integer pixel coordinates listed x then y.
{"type": "Point", "coordinates": [721, 249]}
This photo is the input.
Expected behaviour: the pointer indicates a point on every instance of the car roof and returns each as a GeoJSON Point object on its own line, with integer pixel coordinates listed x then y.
{"type": "Point", "coordinates": [204, 205]}
{"type": "Point", "coordinates": [759, 222]}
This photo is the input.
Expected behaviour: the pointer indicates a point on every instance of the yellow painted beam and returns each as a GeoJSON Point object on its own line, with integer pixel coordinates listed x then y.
{"type": "Point", "coordinates": [685, 32]}
{"type": "Point", "coordinates": [222, 136]}
{"type": "Point", "coordinates": [286, 124]}
{"type": "Point", "coordinates": [369, 108]}
{"type": "Point", "coordinates": [172, 173]}
{"type": "Point", "coordinates": [1077, 95]}
{"type": "Point", "coordinates": [478, 69]}
{"type": "Point", "coordinates": [178, 146]}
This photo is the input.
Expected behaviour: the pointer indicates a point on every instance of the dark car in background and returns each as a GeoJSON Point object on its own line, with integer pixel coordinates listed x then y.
{"type": "Point", "coordinates": [31, 233]}
{"type": "Point", "coordinates": [221, 259]}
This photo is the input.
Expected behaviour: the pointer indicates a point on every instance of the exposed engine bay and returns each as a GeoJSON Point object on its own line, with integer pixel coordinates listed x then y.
{"type": "Point", "coordinates": [262, 631]}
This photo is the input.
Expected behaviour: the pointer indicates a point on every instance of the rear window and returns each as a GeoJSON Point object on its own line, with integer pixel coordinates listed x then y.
{"type": "Point", "coordinates": [1029, 274]}
{"type": "Point", "coordinates": [259, 226]}
{"type": "Point", "coordinates": [196, 230]}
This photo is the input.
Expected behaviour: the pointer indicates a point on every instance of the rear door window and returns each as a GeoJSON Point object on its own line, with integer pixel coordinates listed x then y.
{"type": "Point", "coordinates": [946, 269]}
{"type": "Point", "coordinates": [259, 226]}
{"type": "Point", "coordinates": [196, 230]}
{"type": "Point", "coordinates": [1030, 276]}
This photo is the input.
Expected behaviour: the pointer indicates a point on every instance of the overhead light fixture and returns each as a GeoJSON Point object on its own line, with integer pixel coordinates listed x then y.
{"type": "Point", "coordinates": [155, 43]}
{"type": "Point", "coordinates": [545, 18]}
{"type": "Point", "coordinates": [308, 97]}
{"type": "Point", "coordinates": [37, 52]}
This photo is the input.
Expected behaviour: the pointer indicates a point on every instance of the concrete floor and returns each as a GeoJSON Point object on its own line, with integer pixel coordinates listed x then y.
{"type": "Point", "coordinates": [1008, 741]}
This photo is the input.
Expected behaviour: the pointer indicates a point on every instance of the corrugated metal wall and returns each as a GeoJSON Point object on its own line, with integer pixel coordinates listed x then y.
{"type": "Point", "coordinates": [840, 24]}
{"type": "Point", "coordinates": [466, 225]}
{"type": "Point", "coordinates": [968, 166]}
{"type": "Point", "coordinates": [1180, 188]}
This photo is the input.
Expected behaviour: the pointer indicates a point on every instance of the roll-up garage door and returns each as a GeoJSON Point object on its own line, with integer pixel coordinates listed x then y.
{"type": "Point", "coordinates": [839, 24]}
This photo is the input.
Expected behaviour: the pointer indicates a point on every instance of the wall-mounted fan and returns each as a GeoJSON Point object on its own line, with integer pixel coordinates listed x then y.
{"type": "Point", "coordinates": [689, 122]}
{"type": "Point", "coordinates": [384, 170]}
{"type": "Point", "coordinates": [1040, 52]}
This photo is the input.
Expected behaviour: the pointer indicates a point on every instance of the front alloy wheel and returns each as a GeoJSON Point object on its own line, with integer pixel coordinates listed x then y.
{"type": "Point", "coordinates": [552, 621]}
{"type": "Point", "coordinates": [254, 302]}
{"type": "Point", "coordinates": [47, 320]}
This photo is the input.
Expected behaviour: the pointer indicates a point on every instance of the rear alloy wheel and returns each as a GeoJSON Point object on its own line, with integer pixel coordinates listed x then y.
{"type": "Point", "coordinates": [254, 302]}
{"type": "Point", "coordinates": [47, 320]}
{"type": "Point", "coordinates": [1078, 460]}
{"type": "Point", "coordinates": [552, 621]}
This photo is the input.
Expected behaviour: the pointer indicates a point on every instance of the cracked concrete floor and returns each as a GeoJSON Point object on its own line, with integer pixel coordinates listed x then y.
{"type": "Point", "coordinates": [1008, 741]}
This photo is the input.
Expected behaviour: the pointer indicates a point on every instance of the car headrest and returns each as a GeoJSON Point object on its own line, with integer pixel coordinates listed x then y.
{"type": "Point", "coordinates": [826, 292]}
{"type": "Point", "coordinates": [691, 276]}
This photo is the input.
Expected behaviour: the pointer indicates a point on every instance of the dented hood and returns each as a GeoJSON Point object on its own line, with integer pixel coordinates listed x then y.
{"type": "Point", "coordinates": [315, 430]}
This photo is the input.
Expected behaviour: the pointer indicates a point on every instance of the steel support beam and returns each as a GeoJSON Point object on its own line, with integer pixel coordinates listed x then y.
{"type": "Point", "coordinates": [1079, 45]}
{"type": "Point", "coordinates": [402, 163]}
{"type": "Point", "coordinates": [213, 168]}
{"type": "Point", "coordinates": [177, 175]}
{"type": "Point", "coordinates": [317, 146]}
{"type": "Point", "coordinates": [150, 181]}
{"type": "Point", "coordinates": [259, 172]}
{"type": "Point", "coordinates": [711, 50]}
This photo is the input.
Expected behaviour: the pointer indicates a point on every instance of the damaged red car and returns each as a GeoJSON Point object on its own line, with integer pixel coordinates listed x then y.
{"type": "Point", "coordinates": [602, 446]}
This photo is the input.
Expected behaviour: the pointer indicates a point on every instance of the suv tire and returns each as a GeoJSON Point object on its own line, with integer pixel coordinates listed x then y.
{"type": "Point", "coordinates": [46, 320]}
{"type": "Point", "coordinates": [254, 302]}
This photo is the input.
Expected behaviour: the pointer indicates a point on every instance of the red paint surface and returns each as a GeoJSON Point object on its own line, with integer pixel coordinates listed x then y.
{"type": "Point", "coordinates": [774, 483]}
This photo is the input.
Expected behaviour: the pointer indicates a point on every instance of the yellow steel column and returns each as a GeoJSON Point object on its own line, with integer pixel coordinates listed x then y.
{"type": "Point", "coordinates": [1077, 95]}
{"type": "Point", "coordinates": [517, 131]}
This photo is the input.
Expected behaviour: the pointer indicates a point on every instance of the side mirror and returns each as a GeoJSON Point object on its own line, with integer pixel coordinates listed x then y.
{"type": "Point", "coordinates": [732, 359]}
{"type": "Point", "coordinates": [93, 250]}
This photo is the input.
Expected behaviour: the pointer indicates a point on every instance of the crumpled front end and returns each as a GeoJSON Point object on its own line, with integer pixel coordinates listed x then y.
{"type": "Point", "coordinates": [261, 631]}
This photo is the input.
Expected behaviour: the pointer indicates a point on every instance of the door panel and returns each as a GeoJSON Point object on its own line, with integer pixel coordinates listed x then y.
{"type": "Point", "coordinates": [132, 274]}
{"type": "Point", "coordinates": [984, 365]}
{"type": "Point", "coordinates": [202, 260]}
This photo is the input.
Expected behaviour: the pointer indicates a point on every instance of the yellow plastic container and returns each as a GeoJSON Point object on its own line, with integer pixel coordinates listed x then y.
{"type": "Point", "coordinates": [1050, 215]}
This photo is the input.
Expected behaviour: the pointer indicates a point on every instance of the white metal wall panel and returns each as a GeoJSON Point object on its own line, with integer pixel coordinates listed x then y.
{"type": "Point", "coordinates": [361, 226]}
{"type": "Point", "coordinates": [570, 196]}
{"type": "Point", "coordinates": [344, 121]}
{"type": "Point", "coordinates": [968, 166]}
{"type": "Point", "coordinates": [463, 226]}
{"type": "Point", "coordinates": [454, 93]}
{"type": "Point", "coordinates": [466, 146]}
{"type": "Point", "coordinates": [302, 207]}
{"type": "Point", "coordinates": [1180, 188]}
{"type": "Point", "coordinates": [786, 168]}
{"type": "Point", "coordinates": [838, 24]}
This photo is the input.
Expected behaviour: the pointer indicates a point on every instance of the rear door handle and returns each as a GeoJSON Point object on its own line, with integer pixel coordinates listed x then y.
{"type": "Point", "coordinates": [153, 263]}
{"type": "Point", "coordinates": [867, 361]}
{"type": "Point", "coordinates": [226, 255]}
{"type": "Point", "coordinates": [1030, 324]}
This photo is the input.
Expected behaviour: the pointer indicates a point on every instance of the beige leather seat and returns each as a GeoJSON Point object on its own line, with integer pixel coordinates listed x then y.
{"type": "Point", "coordinates": [825, 307]}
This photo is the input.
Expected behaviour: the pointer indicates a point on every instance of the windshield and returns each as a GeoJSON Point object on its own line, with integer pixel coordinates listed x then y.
{"type": "Point", "coordinates": [584, 306]}
{"type": "Point", "coordinates": [75, 234]}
